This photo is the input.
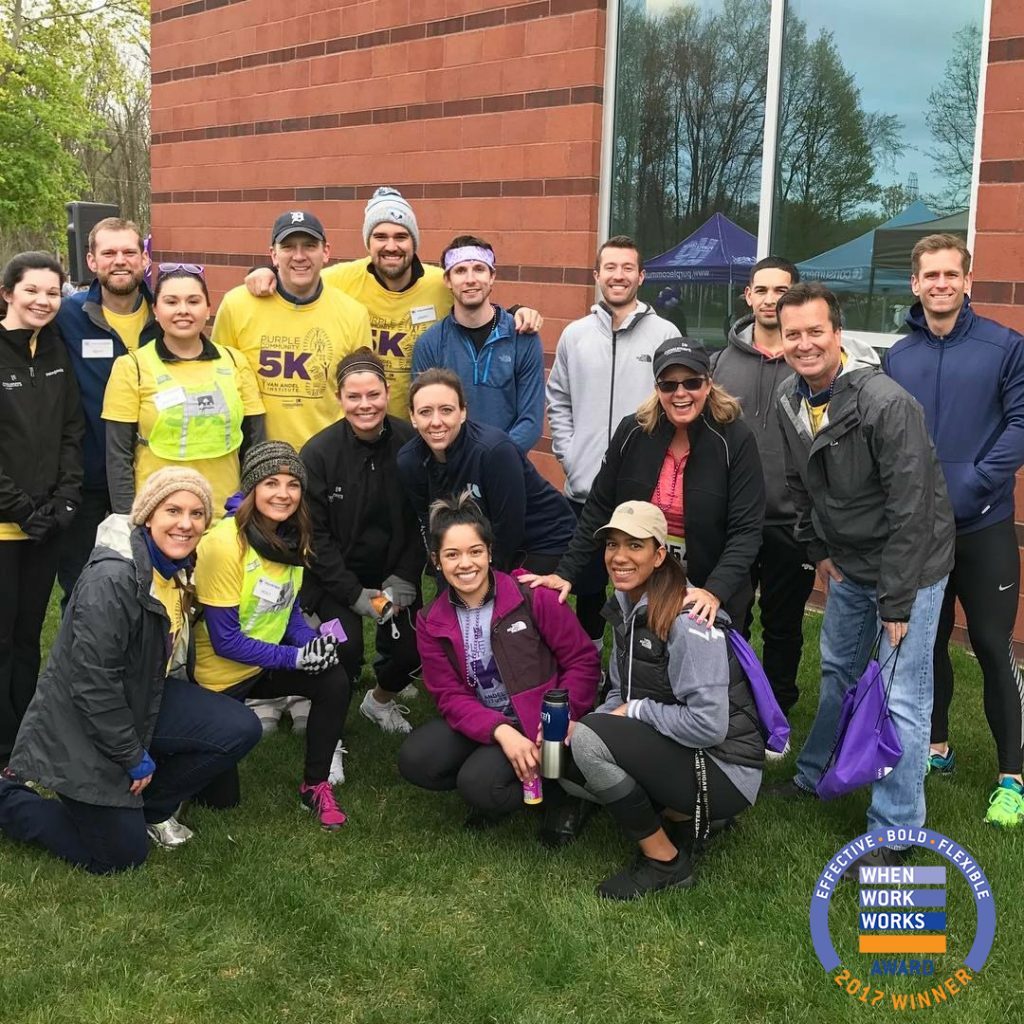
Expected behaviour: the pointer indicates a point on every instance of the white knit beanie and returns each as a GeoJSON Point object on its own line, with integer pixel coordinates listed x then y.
{"type": "Point", "coordinates": [387, 206]}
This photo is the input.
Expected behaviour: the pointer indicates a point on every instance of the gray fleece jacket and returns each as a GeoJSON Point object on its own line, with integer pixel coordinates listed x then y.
{"type": "Point", "coordinates": [754, 378]}
{"type": "Point", "coordinates": [599, 376]}
{"type": "Point", "coordinates": [698, 666]}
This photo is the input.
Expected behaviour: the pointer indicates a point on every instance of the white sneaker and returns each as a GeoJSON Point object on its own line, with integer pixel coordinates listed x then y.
{"type": "Point", "coordinates": [409, 693]}
{"type": "Point", "coordinates": [169, 834]}
{"type": "Point", "coordinates": [337, 773]}
{"type": "Point", "coordinates": [777, 755]}
{"type": "Point", "coordinates": [268, 711]}
{"type": "Point", "coordinates": [390, 717]}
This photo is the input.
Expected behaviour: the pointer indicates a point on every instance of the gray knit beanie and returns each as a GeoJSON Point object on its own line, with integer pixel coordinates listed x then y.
{"type": "Point", "coordinates": [269, 459]}
{"type": "Point", "coordinates": [388, 206]}
{"type": "Point", "coordinates": [162, 484]}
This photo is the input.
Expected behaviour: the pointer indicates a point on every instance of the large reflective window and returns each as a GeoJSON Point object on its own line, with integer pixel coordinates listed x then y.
{"type": "Point", "coordinates": [875, 142]}
{"type": "Point", "coordinates": [689, 133]}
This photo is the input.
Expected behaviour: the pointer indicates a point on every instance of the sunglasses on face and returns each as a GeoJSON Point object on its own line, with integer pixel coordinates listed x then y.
{"type": "Point", "coordinates": [670, 387]}
{"type": "Point", "coordinates": [189, 268]}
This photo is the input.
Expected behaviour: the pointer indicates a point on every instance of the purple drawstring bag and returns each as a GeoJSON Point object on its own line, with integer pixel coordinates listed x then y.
{"type": "Point", "coordinates": [773, 721]}
{"type": "Point", "coordinates": [868, 743]}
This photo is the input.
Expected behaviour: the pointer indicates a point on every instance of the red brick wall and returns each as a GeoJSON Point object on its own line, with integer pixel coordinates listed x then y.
{"type": "Point", "coordinates": [487, 116]}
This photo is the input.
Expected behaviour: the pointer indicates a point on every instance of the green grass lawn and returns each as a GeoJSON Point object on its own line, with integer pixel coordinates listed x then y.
{"type": "Point", "coordinates": [405, 917]}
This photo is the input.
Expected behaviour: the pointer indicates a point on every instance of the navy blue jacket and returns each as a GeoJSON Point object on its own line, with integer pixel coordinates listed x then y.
{"type": "Point", "coordinates": [527, 513]}
{"type": "Point", "coordinates": [81, 317]}
{"type": "Point", "coordinates": [504, 383]}
{"type": "Point", "coordinates": [971, 385]}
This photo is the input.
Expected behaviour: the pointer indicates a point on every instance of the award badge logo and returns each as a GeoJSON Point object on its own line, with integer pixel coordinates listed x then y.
{"type": "Point", "coordinates": [902, 959]}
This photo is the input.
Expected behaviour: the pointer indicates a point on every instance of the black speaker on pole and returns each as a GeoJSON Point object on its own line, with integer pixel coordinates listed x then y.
{"type": "Point", "coordinates": [82, 218]}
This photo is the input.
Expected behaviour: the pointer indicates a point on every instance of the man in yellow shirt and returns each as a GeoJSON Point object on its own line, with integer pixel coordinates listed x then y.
{"type": "Point", "coordinates": [294, 339]}
{"type": "Point", "coordinates": [113, 317]}
{"type": "Point", "coordinates": [404, 297]}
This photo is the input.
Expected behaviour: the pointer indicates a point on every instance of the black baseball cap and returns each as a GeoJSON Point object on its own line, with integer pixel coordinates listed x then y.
{"type": "Point", "coordinates": [686, 352]}
{"type": "Point", "coordinates": [297, 222]}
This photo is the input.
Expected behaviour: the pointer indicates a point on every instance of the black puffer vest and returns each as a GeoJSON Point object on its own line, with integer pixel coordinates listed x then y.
{"type": "Point", "coordinates": [648, 677]}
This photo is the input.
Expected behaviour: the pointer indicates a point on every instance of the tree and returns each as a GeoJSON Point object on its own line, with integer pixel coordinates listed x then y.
{"type": "Point", "coordinates": [951, 117]}
{"type": "Point", "coordinates": [56, 58]}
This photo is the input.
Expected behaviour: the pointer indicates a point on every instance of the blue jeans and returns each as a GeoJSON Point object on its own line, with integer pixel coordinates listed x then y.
{"type": "Point", "coordinates": [848, 633]}
{"type": "Point", "coordinates": [198, 735]}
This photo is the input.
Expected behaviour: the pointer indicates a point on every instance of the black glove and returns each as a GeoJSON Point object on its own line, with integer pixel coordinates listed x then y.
{"type": "Point", "coordinates": [41, 523]}
{"type": "Point", "coordinates": [64, 511]}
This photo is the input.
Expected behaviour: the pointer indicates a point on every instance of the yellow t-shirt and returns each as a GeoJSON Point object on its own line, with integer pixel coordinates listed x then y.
{"type": "Point", "coordinates": [171, 596]}
{"type": "Point", "coordinates": [397, 319]}
{"type": "Point", "coordinates": [293, 350]}
{"type": "Point", "coordinates": [128, 325]}
{"type": "Point", "coordinates": [220, 569]}
{"type": "Point", "coordinates": [816, 414]}
{"type": "Point", "coordinates": [129, 400]}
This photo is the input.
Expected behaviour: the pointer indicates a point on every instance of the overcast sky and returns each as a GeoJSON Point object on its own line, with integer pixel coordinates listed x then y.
{"type": "Point", "coordinates": [896, 51]}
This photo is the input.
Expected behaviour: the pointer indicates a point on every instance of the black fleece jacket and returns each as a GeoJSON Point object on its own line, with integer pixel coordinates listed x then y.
{"type": "Point", "coordinates": [723, 501]}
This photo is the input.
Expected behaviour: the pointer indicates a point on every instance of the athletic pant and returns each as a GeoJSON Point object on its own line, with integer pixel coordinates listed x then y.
{"type": "Point", "coordinates": [27, 571]}
{"type": "Point", "coordinates": [985, 576]}
{"type": "Point", "coordinates": [396, 660]}
{"type": "Point", "coordinates": [435, 756]}
{"type": "Point", "coordinates": [78, 540]}
{"type": "Point", "coordinates": [635, 772]}
{"type": "Point", "coordinates": [198, 735]}
{"type": "Point", "coordinates": [786, 580]}
{"type": "Point", "coordinates": [590, 586]}
{"type": "Point", "coordinates": [329, 693]}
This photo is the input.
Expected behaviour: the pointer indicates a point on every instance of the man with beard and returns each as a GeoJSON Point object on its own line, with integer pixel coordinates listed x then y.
{"type": "Point", "coordinates": [502, 372]}
{"type": "Point", "coordinates": [113, 317]}
{"type": "Point", "coordinates": [751, 368]}
{"type": "Point", "coordinates": [602, 372]}
{"type": "Point", "coordinates": [403, 296]}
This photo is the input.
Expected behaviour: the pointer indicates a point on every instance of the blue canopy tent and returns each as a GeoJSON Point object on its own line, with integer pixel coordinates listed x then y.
{"type": "Point", "coordinates": [718, 252]}
{"type": "Point", "coordinates": [850, 267]}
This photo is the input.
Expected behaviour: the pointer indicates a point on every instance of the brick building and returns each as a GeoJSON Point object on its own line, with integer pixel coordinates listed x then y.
{"type": "Point", "coordinates": [510, 121]}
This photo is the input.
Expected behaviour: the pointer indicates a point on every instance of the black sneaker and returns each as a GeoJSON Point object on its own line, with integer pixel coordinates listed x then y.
{"type": "Point", "coordinates": [880, 857]}
{"type": "Point", "coordinates": [563, 822]}
{"type": "Point", "coordinates": [481, 821]}
{"type": "Point", "coordinates": [645, 875]}
{"type": "Point", "coordinates": [788, 790]}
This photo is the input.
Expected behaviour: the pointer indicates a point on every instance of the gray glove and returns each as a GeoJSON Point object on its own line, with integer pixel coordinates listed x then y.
{"type": "Point", "coordinates": [362, 604]}
{"type": "Point", "coordinates": [403, 593]}
{"type": "Point", "coordinates": [319, 654]}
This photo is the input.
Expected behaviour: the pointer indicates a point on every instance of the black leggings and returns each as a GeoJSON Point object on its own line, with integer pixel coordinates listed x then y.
{"type": "Point", "coordinates": [986, 571]}
{"type": "Point", "coordinates": [660, 774]}
{"type": "Point", "coordinates": [329, 693]}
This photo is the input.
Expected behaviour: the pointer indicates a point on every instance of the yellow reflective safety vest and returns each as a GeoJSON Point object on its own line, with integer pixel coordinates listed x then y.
{"type": "Point", "coordinates": [198, 421]}
{"type": "Point", "coordinates": [266, 602]}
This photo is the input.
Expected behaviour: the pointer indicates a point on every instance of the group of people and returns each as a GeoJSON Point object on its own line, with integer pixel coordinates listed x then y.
{"type": "Point", "coordinates": [223, 513]}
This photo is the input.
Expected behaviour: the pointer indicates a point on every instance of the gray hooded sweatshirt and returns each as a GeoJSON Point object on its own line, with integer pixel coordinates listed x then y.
{"type": "Point", "coordinates": [598, 377]}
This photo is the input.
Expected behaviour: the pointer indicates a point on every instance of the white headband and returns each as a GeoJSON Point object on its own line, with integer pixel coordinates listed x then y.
{"type": "Point", "coordinates": [466, 253]}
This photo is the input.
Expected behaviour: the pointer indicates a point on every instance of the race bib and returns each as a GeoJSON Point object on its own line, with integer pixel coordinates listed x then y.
{"type": "Point", "coordinates": [677, 549]}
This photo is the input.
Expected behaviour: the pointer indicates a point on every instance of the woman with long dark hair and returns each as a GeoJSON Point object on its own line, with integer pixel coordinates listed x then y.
{"type": "Point", "coordinates": [252, 640]}
{"type": "Point", "coordinates": [41, 430]}
{"type": "Point", "coordinates": [679, 731]}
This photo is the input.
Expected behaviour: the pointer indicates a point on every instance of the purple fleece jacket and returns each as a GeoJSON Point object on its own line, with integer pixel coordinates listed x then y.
{"type": "Point", "coordinates": [557, 653]}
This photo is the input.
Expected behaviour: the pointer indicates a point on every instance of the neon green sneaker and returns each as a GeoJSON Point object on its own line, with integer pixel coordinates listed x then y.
{"type": "Point", "coordinates": [1006, 804]}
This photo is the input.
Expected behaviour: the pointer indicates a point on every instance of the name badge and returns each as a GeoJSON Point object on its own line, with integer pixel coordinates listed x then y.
{"type": "Point", "coordinates": [97, 348]}
{"type": "Point", "coordinates": [168, 399]}
{"type": "Point", "coordinates": [266, 590]}
{"type": "Point", "coordinates": [422, 314]}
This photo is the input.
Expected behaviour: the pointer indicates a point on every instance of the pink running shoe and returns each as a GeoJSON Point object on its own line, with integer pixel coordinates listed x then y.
{"type": "Point", "coordinates": [320, 799]}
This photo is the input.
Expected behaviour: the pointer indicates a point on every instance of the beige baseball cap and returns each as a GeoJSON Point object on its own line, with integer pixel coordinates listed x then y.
{"type": "Point", "coordinates": [638, 519]}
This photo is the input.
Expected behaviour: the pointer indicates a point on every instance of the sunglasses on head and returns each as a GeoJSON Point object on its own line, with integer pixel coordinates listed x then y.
{"type": "Point", "coordinates": [189, 268]}
{"type": "Point", "coordinates": [670, 387]}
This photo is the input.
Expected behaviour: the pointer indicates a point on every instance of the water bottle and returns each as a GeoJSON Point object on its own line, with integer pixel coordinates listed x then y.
{"type": "Point", "coordinates": [554, 719]}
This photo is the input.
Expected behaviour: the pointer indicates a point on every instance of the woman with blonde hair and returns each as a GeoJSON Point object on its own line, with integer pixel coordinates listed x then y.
{"type": "Point", "coordinates": [686, 451]}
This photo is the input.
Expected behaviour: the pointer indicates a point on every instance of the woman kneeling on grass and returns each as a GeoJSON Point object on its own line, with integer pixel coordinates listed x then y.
{"type": "Point", "coordinates": [679, 729]}
{"type": "Point", "coordinates": [120, 740]}
{"type": "Point", "coordinates": [252, 640]}
{"type": "Point", "coordinates": [490, 648]}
